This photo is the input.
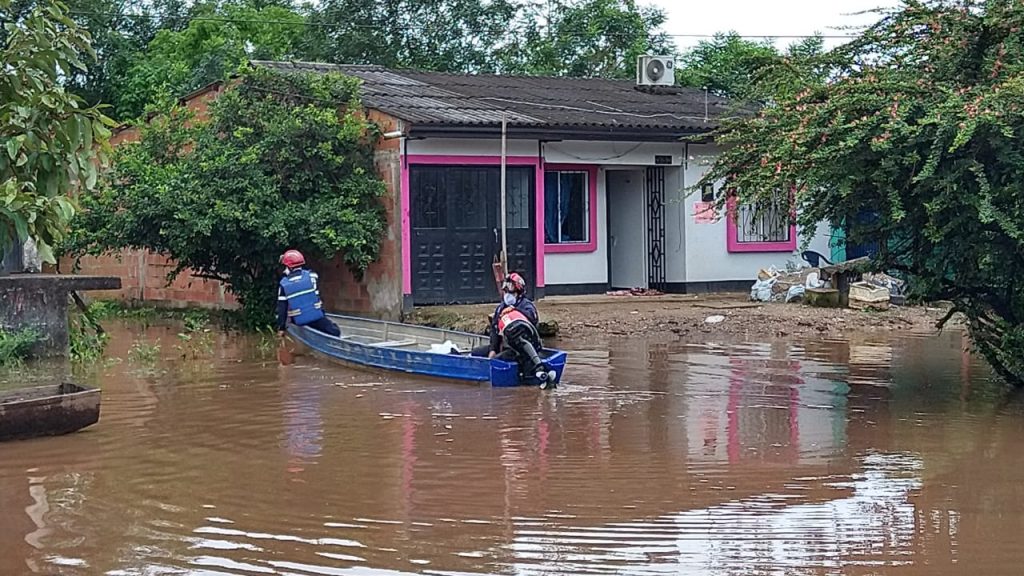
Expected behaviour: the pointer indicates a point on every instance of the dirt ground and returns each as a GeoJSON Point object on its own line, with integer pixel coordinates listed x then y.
{"type": "Point", "coordinates": [585, 317]}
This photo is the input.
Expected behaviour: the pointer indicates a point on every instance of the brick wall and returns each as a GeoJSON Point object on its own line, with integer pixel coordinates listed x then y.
{"type": "Point", "coordinates": [378, 294]}
{"type": "Point", "coordinates": [144, 279]}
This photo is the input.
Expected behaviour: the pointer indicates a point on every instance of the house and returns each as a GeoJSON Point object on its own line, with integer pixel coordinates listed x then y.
{"type": "Point", "coordinates": [597, 190]}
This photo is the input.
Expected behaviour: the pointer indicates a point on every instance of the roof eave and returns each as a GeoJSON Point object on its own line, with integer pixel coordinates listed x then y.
{"type": "Point", "coordinates": [603, 133]}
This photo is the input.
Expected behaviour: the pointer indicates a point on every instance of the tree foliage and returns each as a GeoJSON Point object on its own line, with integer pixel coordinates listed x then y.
{"type": "Point", "coordinates": [119, 30]}
{"type": "Point", "coordinates": [153, 49]}
{"type": "Point", "coordinates": [51, 144]}
{"type": "Point", "coordinates": [731, 66]}
{"type": "Point", "coordinates": [274, 166]}
{"type": "Point", "coordinates": [588, 38]}
{"type": "Point", "coordinates": [918, 128]}
{"type": "Point", "coordinates": [218, 39]}
{"type": "Point", "coordinates": [441, 35]}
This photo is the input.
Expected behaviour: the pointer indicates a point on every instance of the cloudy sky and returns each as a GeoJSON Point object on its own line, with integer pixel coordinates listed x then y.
{"type": "Point", "coordinates": [766, 17]}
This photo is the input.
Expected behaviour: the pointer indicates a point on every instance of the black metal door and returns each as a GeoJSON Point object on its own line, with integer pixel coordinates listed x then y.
{"type": "Point", "coordinates": [471, 246]}
{"type": "Point", "coordinates": [455, 223]}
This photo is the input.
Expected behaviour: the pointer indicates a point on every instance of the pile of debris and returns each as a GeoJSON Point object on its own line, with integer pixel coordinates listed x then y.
{"type": "Point", "coordinates": [829, 286]}
{"type": "Point", "coordinates": [789, 286]}
{"type": "Point", "coordinates": [877, 291]}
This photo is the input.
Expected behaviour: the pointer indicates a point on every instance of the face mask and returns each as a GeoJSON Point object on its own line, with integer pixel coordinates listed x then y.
{"type": "Point", "coordinates": [509, 299]}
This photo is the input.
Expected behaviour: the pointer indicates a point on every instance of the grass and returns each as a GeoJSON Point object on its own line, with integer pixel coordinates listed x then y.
{"type": "Point", "coordinates": [144, 353]}
{"type": "Point", "coordinates": [196, 337]}
{"type": "Point", "coordinates": [194, 318]}
{"type": "Point", "coordinates": [15, 347]}
{"type": "Point", "coordinates": [268, 342]}
{"type": "Point", "coordinates": [87, 344]}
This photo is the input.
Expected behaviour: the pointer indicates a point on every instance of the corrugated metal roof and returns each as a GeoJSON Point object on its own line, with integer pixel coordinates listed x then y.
{"type": "Point", "coordinates": [434, 98]}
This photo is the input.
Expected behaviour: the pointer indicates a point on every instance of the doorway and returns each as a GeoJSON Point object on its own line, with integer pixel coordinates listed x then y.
{"type": "Point", "coordinates": [627, 230]}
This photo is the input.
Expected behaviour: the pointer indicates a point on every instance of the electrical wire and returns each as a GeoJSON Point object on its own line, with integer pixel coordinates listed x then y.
{"type": "Point", "coordinates": [389, 26]}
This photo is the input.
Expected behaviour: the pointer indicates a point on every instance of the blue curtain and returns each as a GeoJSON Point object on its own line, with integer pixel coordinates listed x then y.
{"type": "Point", "coordinates": [567, 185]}
{"type": "Point", "coordinates": [551, 213]}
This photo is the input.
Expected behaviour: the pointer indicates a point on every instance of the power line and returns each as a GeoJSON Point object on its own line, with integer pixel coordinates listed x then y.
{"type": "Point", "coordinates": [389, 26]}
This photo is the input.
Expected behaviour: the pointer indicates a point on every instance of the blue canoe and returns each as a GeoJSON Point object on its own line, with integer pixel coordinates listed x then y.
{"type": "Point", "coordinates": [406, 348]}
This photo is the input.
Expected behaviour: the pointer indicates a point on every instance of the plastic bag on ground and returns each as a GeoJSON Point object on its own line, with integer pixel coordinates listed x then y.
{"type": "Point", "coordinates": [761, 291]}
{"type": "Point", "coordinates": [795, 293]}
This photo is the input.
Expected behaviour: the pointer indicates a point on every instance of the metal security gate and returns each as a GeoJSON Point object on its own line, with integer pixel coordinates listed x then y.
{"type": "Point", "coordinates": [655, 195]}
{"type": "Point", "coordinates": [455, 214]}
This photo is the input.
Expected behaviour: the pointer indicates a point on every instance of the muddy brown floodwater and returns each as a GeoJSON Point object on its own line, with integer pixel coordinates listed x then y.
{"type": "Point", "coordinates": [880, 455]}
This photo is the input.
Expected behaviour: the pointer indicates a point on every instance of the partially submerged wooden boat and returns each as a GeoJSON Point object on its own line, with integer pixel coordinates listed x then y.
{"type": "Point", "coordinates": [409, 349]}
{"type": "Point", "coordinates": [47, 410]}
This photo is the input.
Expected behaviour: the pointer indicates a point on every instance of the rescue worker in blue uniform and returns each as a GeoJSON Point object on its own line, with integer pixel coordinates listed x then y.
{"type": "Point", "coordinates": [298, 297]}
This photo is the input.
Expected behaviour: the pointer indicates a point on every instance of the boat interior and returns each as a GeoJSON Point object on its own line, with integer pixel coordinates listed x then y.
{"type": "Point", "coordinates": [403, 336]}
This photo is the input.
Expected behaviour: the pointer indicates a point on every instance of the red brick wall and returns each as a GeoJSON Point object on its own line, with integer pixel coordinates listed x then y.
{"type": "Point", "coordinates": [144, 279]}
{"type": "Point", "coordinates": [379, 294]}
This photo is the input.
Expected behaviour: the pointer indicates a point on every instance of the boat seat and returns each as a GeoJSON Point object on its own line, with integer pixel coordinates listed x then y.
{"type": "Point", "coordinates": [394, 343]}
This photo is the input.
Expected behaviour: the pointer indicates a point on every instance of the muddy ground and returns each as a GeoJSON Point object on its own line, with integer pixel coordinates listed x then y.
{"type": "Point", "coordinates": [583, 317]}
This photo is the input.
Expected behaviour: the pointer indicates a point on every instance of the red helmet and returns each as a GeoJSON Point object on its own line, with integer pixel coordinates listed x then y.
{"type": "Point", "coordinates": [293, 259]}
{"type": "Point", "coordinates": [514, 283]}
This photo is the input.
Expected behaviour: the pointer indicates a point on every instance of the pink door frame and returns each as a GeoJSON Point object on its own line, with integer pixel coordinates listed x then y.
{"type": "Point", "coordinates": [449, 160]}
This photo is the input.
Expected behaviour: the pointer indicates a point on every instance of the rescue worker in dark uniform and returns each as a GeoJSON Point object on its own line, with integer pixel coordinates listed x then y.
{"type": "Point", "coordinates": [513, 331]}
{"type": "Point", "coordinates": [298, 297]}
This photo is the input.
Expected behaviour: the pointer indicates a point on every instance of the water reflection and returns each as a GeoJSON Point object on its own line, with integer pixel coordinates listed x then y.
{"type": "Point", "coordinates": [856, 456]}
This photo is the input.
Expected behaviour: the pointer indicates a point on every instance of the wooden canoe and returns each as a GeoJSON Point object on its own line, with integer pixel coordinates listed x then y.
{"type": "Point", "coordinates": [406, 348]}
{"type": "Point", "coordinates": [47, 410]}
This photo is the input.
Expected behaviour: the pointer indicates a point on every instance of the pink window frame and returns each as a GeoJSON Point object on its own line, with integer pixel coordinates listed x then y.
{"type": "Point", "coordinates": [451, 160]}
{"type": "Point", "coordinates": [575, 247]}
{"type": "Point", "coordinates": [732, 234]}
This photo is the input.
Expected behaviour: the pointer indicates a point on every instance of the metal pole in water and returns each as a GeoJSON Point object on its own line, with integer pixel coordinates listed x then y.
{"type": "Point", "coordinates": [504, 235]}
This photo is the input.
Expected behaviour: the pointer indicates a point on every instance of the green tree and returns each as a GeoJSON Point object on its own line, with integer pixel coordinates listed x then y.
{"type": "Point", "coordinates": [441, 35]}
{"type": "Point", "coordinates": [731, 66]}
{"type": "Point", "coordinates": [918, 130]}
{"type": "Point", "coordinates": [118, 30]}
{"type": "Point", "coordinates": [275, 166]}
{"type": "Point", "coordinates": [588, 38]}
{"type": "Point", "coordinates": [219, 38]}
{"type": "Point", "coordinates": [51, 144]}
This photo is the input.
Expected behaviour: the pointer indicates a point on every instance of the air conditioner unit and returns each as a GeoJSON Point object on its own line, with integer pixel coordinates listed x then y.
{"type": "Point", "coordinates": [655, 71]}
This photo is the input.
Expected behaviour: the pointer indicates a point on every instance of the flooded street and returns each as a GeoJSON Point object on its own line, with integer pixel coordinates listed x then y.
{"type": "Point", "coordinates": [865, 456]}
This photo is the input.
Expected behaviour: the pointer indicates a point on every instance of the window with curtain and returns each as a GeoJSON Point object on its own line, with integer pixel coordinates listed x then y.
{"type": "Point", "coordinates": [566, 207]}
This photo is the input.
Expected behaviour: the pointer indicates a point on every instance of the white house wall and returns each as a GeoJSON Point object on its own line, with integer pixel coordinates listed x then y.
{"type": "Point", "coordinates": [675, 226]}
{"type": "Point", "coordinates": [707, 255]}
{"type": "Point", "coordinates": [584, 267]}
{"type": "Point", "coordinates": [694, 252]}
{"type": "Point", "coordinates": [611, 153]}
{"type": "Point", "coordinates": [471, 147]}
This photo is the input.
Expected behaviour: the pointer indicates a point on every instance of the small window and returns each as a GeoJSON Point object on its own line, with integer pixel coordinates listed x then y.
{"type": "Point", "coordinates": [566, 207]}
{"type": "Point", "coordinates": [764, 222]}
{"type": "Point", "coordinates": [762, 226]}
